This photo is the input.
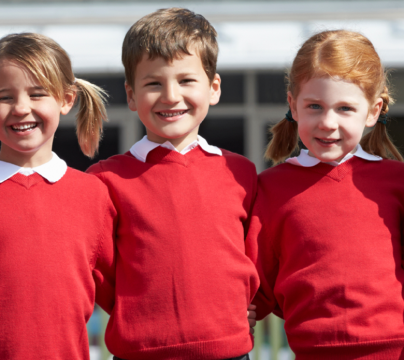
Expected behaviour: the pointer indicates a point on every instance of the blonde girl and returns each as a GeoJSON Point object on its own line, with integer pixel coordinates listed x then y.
{"type": "Point", "coordinates": [329, 222]}
{"type": "Point", "coordinates": [56, 252]}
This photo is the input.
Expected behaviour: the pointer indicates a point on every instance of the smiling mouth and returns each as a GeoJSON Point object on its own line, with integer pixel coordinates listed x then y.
{"type": "Point", "coordinates": [331, 141]}
{"type": "Point", "coordinates": [24, 127]}
{"type": "Point", "coordinates": [171, 114]}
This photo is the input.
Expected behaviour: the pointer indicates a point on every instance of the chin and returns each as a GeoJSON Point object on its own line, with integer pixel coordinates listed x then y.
{"type": "Point", "coordinates": [329, 158]}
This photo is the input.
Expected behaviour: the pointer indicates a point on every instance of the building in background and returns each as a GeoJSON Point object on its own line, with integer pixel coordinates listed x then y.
{"type": "Point", "coordinates": [257, 41]}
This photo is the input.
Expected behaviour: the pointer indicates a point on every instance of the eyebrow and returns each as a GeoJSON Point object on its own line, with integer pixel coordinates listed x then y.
{"type": "Point", "coordinates": [338, 103]}
{"type": "Point", "coordinates": [31, 88]}
{"type": "Point", "coordinates": [157, 77]}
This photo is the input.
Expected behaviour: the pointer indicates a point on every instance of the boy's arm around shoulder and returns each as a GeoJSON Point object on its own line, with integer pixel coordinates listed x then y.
{"type": "Point", "coordinates": [259, 248]}
{"type": "Point", "coordinates": [105, 257]}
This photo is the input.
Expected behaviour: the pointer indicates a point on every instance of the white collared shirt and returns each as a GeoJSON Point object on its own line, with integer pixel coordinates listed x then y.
{"type": "Point", "coordinates": [141, 148]}
{"type": "Point", "coordinates": [52, 171]}
{"type": "Point", "coordinates": [305, 160]}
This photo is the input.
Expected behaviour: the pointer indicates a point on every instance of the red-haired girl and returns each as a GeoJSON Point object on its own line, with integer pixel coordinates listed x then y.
{"type": "Point", "coordinates": [56, 251]}
{"type": "Point", "coordinates": [329, 221]}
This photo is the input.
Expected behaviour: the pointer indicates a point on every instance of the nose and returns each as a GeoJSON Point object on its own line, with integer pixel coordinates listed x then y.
{"type": "Point", "coordinates": [21, 106]}
{"type": "Point", "coordinates": [171, 94]}
{"type": "Point", "coordinates": [328, 121]}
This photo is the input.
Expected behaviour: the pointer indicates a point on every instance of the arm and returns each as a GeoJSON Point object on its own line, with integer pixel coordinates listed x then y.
{"type": "Point", "coordinates": [260, 249]}
{"type": "Point", "coordinates": [104, 268]}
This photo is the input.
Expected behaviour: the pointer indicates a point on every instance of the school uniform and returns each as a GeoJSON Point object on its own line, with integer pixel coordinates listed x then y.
{"type": "Point", "coordinates": [183, 281]}
{"type": "Point", "coordinates": [56, 259]}
{"type": "Point", "coordinates": [329, 255]}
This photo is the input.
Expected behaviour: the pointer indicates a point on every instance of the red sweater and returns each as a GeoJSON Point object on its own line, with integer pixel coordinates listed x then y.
{"type": "Point", "coordinates": [329, 257]}
{"type": "Point", "coordinates": [55, 248]}
{"type": "Point", "coordinates": [183, 281]}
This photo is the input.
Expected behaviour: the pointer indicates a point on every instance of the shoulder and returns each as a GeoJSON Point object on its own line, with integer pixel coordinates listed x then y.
{"type": "Point", "coordinates": [84, 181]}
{"type": "Point", "coordinates": [113, 164]}
{"type": "Point", "coordinates": [237, 159]}
{"type": "Point", "coordinates": [240, 168]}
{"type": "Point", "coordinates": [385, 168]}
{"type": "Point", "coordinates": [279, 172]}
{"type": "Point", "coordinates": [393, 164]}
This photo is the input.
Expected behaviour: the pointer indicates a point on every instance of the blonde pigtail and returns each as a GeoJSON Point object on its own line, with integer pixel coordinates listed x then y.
{"type": "Point", "coordinates": [378, 141]}
{"type": "Point", "coordinates": [284, 141]}
{"type": "Point", "coordinates": [90, 117]}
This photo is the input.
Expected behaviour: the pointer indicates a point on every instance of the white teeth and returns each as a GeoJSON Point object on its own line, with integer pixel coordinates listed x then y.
{"type": "Point", "coordinates": [172, 114]}
{"type": "Point", "coordinates": [23, 127]}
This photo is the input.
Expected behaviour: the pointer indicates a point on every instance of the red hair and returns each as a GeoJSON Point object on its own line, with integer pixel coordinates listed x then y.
{"type": "Point", "coordinates": [347, 55]}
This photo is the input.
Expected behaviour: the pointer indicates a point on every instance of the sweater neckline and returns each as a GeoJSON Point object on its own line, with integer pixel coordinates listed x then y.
{"type": "Point", "coordinates": [161, 154]}
{"type": "Point", "coordinates": [339, 172]}
{"type": "Point", "coordinates": [27, 181]}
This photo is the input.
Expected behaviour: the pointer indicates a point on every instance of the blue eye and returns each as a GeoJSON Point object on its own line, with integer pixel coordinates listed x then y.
{"type": "Point", "coordinates": [345, 108]}
{"type": "Point", "coordinates": [315, 106]}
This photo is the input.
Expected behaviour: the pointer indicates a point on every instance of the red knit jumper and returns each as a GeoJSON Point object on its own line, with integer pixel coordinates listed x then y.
{"type": "Point", "coordinates": [183, 281]}
{"type": "Point", "coordinates": [55, 249]}
{"type": "Point", "coordinates": [329, 257]}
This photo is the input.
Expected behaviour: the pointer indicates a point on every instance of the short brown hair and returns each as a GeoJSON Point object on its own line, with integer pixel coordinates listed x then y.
{"type": "Point", "coordinates": [168, 33]}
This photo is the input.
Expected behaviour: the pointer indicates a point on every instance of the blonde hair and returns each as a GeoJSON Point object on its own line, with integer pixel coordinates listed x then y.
{"type": "Point", "coordinates": [51, 66]}
{"type": "Point", "coordinates": [169, 33]}
{"type": "Point", "coordinates": [347, 55]}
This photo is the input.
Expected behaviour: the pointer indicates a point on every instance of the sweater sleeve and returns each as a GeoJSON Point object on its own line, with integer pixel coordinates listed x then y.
{"type": "Point", "coordinates": [104, 261]}
{"type": "Point", "coordinates": [253, 196]}
{"type": "Point", "coordinates": [259, 247]}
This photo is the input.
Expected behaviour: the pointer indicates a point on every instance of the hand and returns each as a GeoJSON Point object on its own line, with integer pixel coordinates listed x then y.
{"type": "Point", "coordinates": [251, 315]}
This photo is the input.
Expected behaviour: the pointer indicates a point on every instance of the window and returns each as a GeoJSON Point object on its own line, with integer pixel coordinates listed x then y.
{"type": "Point", "coordinates": [271, 88]}
{"type": "Point", "coordinates": [67, 147]}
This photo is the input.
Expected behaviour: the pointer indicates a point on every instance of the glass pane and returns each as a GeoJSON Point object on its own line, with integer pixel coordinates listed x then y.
{"type": "Point", "coordinates": [226, 133]}
{"type": "Point", "coordinates": [232, 88]}
{"type": "Point", "coordinates": [114, 86]}
{"type": "Point", "coordinates": [271, 88]}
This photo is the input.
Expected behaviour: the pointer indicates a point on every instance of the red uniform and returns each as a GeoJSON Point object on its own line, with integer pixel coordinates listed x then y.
{"type": "Point", "coordinates": [56, 250]}
{"type": "Point", "coordinates": [329, 257]}
{"type": "Point", "coordinates": [183, 281]}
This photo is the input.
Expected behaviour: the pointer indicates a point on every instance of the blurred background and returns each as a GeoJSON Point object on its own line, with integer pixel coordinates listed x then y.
{"type": "Point", "coordinates": [257, 41]}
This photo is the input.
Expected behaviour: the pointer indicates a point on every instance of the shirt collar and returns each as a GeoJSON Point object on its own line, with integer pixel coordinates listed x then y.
{"type": "Point", "coordinates": [141, 149]}
{"type": "Point", "coordinates": [52, 171]}
{"type": "Point", "coordinates": [305, 160]}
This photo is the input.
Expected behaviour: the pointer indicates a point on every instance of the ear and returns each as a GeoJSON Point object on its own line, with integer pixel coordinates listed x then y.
{"type": "Point", "coordinates": [215, 90]}
{"type": "Point", "coordinates": [292, 105]}
{"type": "Point", "coordinates": [130, 97]}
{"type": "Point", "coordinates": [374, 113]}
{"type": "Point", "coordinates": [68, 102]}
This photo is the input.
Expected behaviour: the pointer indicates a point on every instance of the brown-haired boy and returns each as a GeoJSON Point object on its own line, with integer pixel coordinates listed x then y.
{"type": "Point", "coordinates": [183, 280]}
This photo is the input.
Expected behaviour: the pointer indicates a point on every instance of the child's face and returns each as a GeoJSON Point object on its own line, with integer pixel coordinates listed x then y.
{"type": "Point", "coordinates": [172, 98]}
{"type": "Point", "coordinates": [331, 116]}
{"type": "Point", "coordinates": [29, 116]}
